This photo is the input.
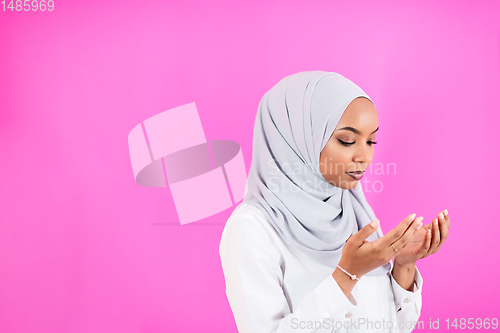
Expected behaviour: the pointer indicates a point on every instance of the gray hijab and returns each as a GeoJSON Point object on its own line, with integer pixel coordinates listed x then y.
{"type": "Point", "coordinates": [294, 122]}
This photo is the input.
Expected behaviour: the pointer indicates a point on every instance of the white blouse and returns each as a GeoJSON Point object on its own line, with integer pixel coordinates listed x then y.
{"type": "Point", "coordinates": [276, 289]}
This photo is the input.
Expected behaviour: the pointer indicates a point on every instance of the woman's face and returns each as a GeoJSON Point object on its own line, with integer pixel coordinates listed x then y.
{"type": "Point", "coordinates": [349, 150]}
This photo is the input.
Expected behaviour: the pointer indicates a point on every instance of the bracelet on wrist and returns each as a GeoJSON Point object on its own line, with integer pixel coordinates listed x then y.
{"type": "Point", "coordinates": [353, 276]}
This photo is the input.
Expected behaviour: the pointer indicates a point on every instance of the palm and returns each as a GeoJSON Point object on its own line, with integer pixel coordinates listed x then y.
{"type": "Point", "coordinates": [411, 251]}
{"type": "Point", "coordinates": [425, 241]}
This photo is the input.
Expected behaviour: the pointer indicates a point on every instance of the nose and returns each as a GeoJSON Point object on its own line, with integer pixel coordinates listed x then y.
{"type": "Point", "coordinates": [363, 154]}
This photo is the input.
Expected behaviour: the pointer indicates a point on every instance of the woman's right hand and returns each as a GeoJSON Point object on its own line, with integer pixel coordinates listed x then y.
{"type": "Point", "coordinates": [360, 256]}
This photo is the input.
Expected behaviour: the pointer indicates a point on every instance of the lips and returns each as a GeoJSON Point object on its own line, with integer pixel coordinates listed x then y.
{"type": "Point", "coordinates": [356, 175]}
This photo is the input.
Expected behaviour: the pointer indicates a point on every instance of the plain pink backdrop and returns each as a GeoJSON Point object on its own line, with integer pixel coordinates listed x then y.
{"type": "Point", "coordinates": [83, 248]}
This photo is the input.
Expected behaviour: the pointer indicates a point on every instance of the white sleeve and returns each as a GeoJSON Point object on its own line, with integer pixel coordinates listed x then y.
{"type": "Point", "coordinates": [252, 266]}
{"type": "Point", "coordinates": [408, 303]}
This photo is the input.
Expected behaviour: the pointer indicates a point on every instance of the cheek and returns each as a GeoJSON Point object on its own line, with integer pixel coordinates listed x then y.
{"type": "Point", "coordinates": [333, 161]}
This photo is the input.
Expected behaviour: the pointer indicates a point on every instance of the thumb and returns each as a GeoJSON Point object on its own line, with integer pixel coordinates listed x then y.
{"type": "Point", "coordinates": [363, 233]}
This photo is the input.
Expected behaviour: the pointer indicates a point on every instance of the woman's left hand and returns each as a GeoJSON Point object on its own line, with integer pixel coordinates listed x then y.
{"type": "Point", "coordinates": [425, 241]}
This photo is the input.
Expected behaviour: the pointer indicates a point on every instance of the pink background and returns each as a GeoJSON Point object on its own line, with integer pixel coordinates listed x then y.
{"type": "Point", "coordinates": [83, 248]}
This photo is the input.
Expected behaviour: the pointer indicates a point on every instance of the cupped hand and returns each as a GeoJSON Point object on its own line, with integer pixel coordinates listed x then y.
{"type": "Point", "coordinates": [425, 241]}
{"type": "Point", "coordinates": [360, 256]}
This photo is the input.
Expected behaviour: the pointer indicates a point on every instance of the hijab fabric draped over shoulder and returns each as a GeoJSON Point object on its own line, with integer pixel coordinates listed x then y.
{"type": "Point", "coordinates": [294, 121]}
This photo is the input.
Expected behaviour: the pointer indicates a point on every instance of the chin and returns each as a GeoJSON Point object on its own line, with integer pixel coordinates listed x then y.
{"type": "Point", "coordinates": [349, 185]}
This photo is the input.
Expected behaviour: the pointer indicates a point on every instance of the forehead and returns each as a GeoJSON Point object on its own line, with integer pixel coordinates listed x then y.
{"type": "Point", "coordinates": [361, 114]}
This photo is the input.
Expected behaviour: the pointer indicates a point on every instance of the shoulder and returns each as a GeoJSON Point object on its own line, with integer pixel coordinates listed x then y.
{"type": "Point", "coordinates": [248, 229]}
{"type": "Point", "coordinates": [249, 221]}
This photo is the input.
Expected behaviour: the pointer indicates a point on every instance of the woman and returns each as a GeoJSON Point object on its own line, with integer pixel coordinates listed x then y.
{"type": "Point", "coordinates": [304, 251]}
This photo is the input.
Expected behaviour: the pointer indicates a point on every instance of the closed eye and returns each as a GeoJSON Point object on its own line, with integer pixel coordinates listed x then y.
{"type": "Point", "coordinates": [347, 144]}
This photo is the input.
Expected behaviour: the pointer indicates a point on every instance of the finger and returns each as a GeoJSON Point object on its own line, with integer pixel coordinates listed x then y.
{"type": "Point", "coordinates": [395, 233]}
{"type": "Point", "coordinates": [428, 237]}
{"type": "Point", "coordinates": [401, 243]}
{"type": "Point", "coordinates": [435, 235]}
{"type": "Point", "coordinates": [358, 238]}
{"type": "Point", "coordinates": [447, 218]}
{"type": "Point", "coordinates": [443, 228]}
{"type": "Point", "coordinates": [426, 243]}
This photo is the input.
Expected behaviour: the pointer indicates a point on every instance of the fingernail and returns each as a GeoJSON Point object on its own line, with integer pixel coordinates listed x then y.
{"type": "Point", "coordinates": [435, 222]}
{"type": "Point", "coordinates": [441, 215]}
{"type": "Point", "coordinates": [419, 226]}
{"type": "Point", "coordinates": [446, 212]}
{"type": "Point", "coordinates": [374, 223]}
{"type": "Point", "coordinates": [429, 232]}
{"type": "Point", "coordinates": [418, 220]}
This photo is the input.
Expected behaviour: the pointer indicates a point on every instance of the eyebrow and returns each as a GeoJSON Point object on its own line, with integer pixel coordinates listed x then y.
{"type": "Point", "coordinates": [352, 129]}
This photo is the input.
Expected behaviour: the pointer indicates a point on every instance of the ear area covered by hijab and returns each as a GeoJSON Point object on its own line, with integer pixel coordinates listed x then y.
{"type": "Point", "coordinates": [294, 121]}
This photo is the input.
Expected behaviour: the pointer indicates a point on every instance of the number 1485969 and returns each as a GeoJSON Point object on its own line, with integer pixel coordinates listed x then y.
{"type": "Point", "coordinates": [472, 323]}
{"type": "Point", "coordinates": [28, 5]}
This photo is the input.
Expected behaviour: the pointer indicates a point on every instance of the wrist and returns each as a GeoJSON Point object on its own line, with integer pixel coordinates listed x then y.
{"type": "Point", "coordinates": [405, 266]}
{"type": "Point", "coordinates": [344, 281]}
{"type": "Point", "coordinates": [404, 275]}
{"type": "Point", "coordinates": [345, 265]}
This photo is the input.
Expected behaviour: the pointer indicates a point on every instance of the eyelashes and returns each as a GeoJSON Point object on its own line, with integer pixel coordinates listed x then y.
{"type": "Point", "coordinates": [347, 144]}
